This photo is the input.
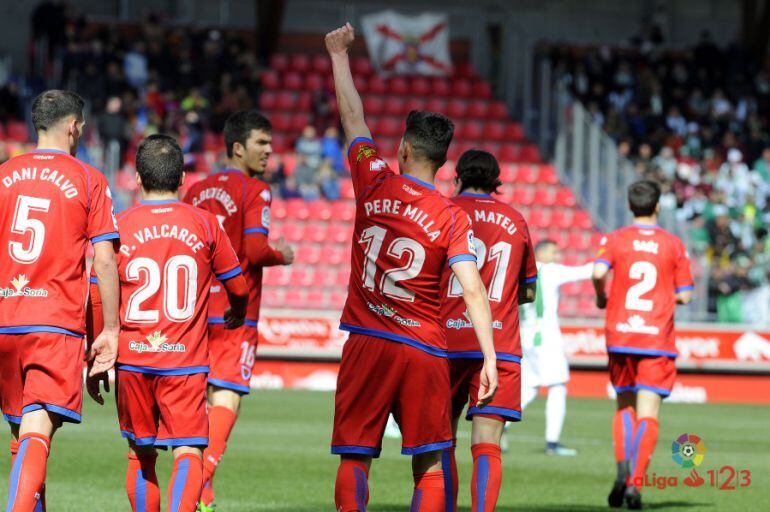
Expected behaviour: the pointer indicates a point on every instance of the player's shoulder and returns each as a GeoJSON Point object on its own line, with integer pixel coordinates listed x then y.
{"type": "Point", "coordinates": [260, 188]}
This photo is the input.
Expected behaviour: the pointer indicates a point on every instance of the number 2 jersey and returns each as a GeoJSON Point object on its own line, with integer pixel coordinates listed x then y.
{"type": "Point", "coordinates": [406, 233]}
{"type": "Point", "coordinates": [649, 266]}
{"type": "Point", "coordinates": [51, 206]}
{"type": "Point", "coordinates": [506, 261]}
{"type": "Point", "coordinates": [169, 255]}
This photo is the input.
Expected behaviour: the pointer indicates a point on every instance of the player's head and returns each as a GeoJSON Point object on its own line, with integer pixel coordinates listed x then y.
{"type": "Point", "coordinates": [159, 164]}
{"type": "Point", "coordinates": [426, 140]}
{"type": "Point", "coordinates": [643, 197]}
{"type": "Point", "coordinates": [58, 117]}
{"type": "Point", "coordinates": [478, 170]}
{"type": "Point", "coordinates": [547, 251]}
{"type": "Point", "coordinates": [248, 135]}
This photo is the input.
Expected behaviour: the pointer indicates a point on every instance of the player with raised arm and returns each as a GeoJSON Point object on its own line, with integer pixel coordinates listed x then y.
{"type": "Point", "coordinates": [51, 206]}
{"type": "Point", "coordinates": [507, 265]}
{"type": "Point", "coordinates": [240, 199]}
{"type": "Point", "coordinates": [169, 256]}
{"type": "Point", "coordinates": [651, 275]}
{"type": "Point", "coordinates": [405, 235]}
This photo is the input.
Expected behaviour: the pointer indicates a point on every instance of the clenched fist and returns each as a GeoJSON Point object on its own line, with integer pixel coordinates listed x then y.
{"type": "Point", "coordinates": [339, 41]}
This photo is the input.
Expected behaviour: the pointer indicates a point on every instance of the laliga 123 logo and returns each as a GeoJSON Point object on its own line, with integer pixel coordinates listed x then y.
{"type": "Point", "coordinates": [20, 289]}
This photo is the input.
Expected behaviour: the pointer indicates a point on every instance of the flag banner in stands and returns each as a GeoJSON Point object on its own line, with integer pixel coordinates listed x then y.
{"type": "Point", "coordinates": [408, 45]}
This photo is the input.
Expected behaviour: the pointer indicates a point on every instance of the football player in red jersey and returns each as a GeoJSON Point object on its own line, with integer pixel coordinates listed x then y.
{"type": "Point", "coordinates": [395, 360]}
{"type": "Point", "coordinates": [651, 275]}
{"type": "Point", "coordinates": [240, 199]}
{"type": "Point", "coordinates": [50, 201]}
{"type": "Point", "coordinates": [169, 256]}
{"type": "Point", "coordinates": [506, 261]}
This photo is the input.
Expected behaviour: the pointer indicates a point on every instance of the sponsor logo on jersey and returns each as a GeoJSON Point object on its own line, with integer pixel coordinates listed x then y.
{"type": "Point", "coordinates": [412, 192]}
{"type": "Point", "coordinates": [389, 312]}
{"type": "Point", "coordinates": [465, 323]}
{"type": "Point", "coordinates": [377, 165]}
{"type": "Point", "coordinates": [646, 246]}
{"type": "Point", "coordinates": [156, 342]}
{"type": "Point", "coordinates": [20, 289]}
{"type": "Point", "coordinates": [636, 324]}
{"type": "Point", "coordinates": [365, 152]}
{"type": "Point", "coordinates": [266, 216]}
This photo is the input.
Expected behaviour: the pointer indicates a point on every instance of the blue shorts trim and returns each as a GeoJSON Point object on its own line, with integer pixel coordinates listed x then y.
{"type": "Point", "coordinates": [142, 441]}
{"type": "Point", "coordinates": [93, 280]}
{"type": "Point", "coordinates": [687, 288]}
{"type": "Point", "coordinates": [623, 389]}
{"type": "Point", "coordinates": [27, 329]}
{"type": "Point", "coordinates": [107, 236]}
{"type": "Point", "coordinates": [230, 385]}
{"type": "Point", "coordinates": [249, 231]}
{"type": "Point", "coordinates": [424, 448]}
{"type": "Point", "coordinates": [476, 354]}
{"type": "Point", "coordinates": [394, 337]}
{"type": "Point", "coordinates": [461, 257]}
{"type": "Point", "coordinates": [507, 414]}
{"type": "Point", "coordinates": [641, 352]}
{"type": "Point", "coordinates": [224, 276]}
{"type": "Point", "coordinates": [357, 140]}
{"type": "Point", "coordinates": [183, 441]}
{"type": "Point", "coordinates": [220, 320]}
{"type": "Point", "coordinates": [12, 419]}
{"type": "Point", "coordinates": [355, 450]}
{"type": "Point", "coordinates": [66, 414]}
{"type": "Point", "coordinates": [605, 262]}
{"type": "Point", "coordinates": [189, 370]}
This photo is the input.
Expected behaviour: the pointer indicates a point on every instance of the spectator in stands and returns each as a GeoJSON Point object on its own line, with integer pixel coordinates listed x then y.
{"type": "Point", "coordinates": [114, 128]}
{"type": "Point", "coordinates": [309, 146]}
{"type": "Point", "coordinates": [289, 189]}
{"type": "Point", "coordinates": [331, 149]}
{"type": "Point", "coordinates": [194, 101]}
{"type": "Point", "coordinates": [307, 177]}
{"type": "Point", "coordinates": [329, 181]}
{"type": "Point", "coordinates": [135, 66]}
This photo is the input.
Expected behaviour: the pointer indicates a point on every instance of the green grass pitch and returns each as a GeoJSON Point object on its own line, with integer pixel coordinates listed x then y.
{"type": "Point", "coordinates": [278, 459]}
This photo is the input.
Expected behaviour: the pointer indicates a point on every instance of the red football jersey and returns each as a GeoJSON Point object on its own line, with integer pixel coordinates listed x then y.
{"type": "Point", "coordinates": [649, 266]}
{"type": "Point", "coordinates": [505, 259]}
{"type": "Point", "coordinates": [242, 205]}
{"type": "Point", "coordinates": [406, 233]}
{"type": "Point", "coordinates": [51, 205]}
{"type": "Point", "coordinates": [169, 256]}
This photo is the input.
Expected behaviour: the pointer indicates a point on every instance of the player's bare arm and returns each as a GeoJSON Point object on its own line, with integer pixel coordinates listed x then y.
{"type": "Point", "coordinates": [104, 349]}
{"type": "Point", "coordinates": [601, 271]}
{"type": "Point", "coordinates": [94, 325]}
{"type": "Point", "coordinates": [684, 297]}
{"type": "Point", "coordinates": [261, 254]}
{"type": "Point", "coordinates": [477, 302]}
{"type": "Point", "coordinates": [238, 295]}
{"type": "Point", "coordinates": [527, 293]}
{"type": "Point", "coordinates": [338, 43]}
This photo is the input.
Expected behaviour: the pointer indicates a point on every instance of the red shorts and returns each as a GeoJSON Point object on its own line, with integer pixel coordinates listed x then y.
{"type": "Point", "coordinates": [465, 376]}
{"type": "Point", "coordinates": [41, 370]}
{"type": "Point", "coordinates": [231, 357]}
{"type": "Point", "coordinates": [634, 372]}
{"type": "Point", "coordinates": [377, 377]}
{"type": "Point", "coordinates": [162, 410]}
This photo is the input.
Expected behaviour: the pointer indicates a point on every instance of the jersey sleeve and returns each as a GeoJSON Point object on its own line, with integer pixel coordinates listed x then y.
{"type": "Point", "coordinates": [101, 216]}
{"type": "Point", "coordinates": [528, 271]}
{"type": "Point", "coordinates": [366, 165]}
{"type": "Point", "coordinates": [570, 274]}
{"type": "Point", "coordinates": [224, 261]}
{"type": "Point", "coordinates": [256, 211]}
{"type": "Point", "coordinates": [461, 243]}
{"type": "Point", "coordinates": [605, 254]}
{"type": "Point", "coordinates": [683, 280]}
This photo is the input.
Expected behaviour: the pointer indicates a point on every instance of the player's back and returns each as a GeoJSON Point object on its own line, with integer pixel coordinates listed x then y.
{"type": "Point", "coordinates": [169, 255]}
{"type": "Point", "coordinates": [506, 261]}
{"type": "Point", "coordinates": [51, 205]}
{"type": "Point", "coordinates": [649, 267]}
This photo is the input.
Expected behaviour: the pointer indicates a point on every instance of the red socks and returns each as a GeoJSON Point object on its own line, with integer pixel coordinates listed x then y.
{"type": "Point", "coordinates": [221, 421]}
{"type": "Point", "coordinates": [449, 467]}
{"type": "Point", "coordinates": [623, 427]}
{"type": "Point", "coordinates": [184, 490]}
{"type": "Point", "coordinates": [428, 492]}
{"type": "Point", "coordinates": [351, 490]}
{"type": "Point", "coordinates": [487, 475]}
{"type": "Point", "coordinates": [142, 484]}
{"type": "Point", "coordinates": [645, 439]}
{"type": "Point", "coordinates": [28, 473]}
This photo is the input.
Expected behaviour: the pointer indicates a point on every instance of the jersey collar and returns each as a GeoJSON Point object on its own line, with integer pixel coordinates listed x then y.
{"type": "Point", "coordinates": [159, 201]}
{"type": "Point", "coordinates": [419, 181]}
{"type": "Point", "coordinates": [646, 226]}
{"type": "Point", "coordinates": [45, 150]}
{"type": "Point", "coordinates": [473, 194]}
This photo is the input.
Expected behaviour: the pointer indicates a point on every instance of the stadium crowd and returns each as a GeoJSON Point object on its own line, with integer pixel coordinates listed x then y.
{"type": "Point", "coordinates": [695, 120]}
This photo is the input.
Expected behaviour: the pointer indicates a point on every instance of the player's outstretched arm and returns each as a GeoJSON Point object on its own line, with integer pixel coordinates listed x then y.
{"type": "Point", "coordinates": [261, 254]}
{"type": "Point", "coordinates": [477, 302]}
{"type": "Point", "coordinates": [104, 350]}
{"type": "Point", "coordinates": [238, 294]}
{"type": "Point", "coordinates": [599, 278]}
{"type": "Point", "coordinates": [338, 43]}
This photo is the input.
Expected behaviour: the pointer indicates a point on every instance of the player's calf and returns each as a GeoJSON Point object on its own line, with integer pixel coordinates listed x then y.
{"type": "Point", "coordinates": [223, 412]}
{"type": "Point", "coordinates": [428, 495]}
{"type": "Point", "coordinates": [351, 488]}
{"type": "Point", "coordinates": [184, 490]}
{"type": "Point", "coordinates": [141, 480]}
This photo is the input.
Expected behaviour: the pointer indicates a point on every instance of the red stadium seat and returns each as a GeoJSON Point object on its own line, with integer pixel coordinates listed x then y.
{"type": "Point", "coordinates": [583, 220]}
{"type": "Point", "coordinates": [510, 152]}
{"type": "Point", "coordinates": [302, 275]}
{"type": "Point", "coordinates": [278, 209]}
{"type": "Point", "coordinates": [456, 108]}
{"type": "Point", "coordinates": [272, 297]}
{"type": "Point", "coordinates": [293, 81]}
{"type": "Point", "coordinates": [494, 130]}
{"type": "Point", "coordinates": [472, 130]}
{"type": "Point", "coordinates": [321, 64]}
{"type": "Point", "coordinates": [508, 172]}
{"type": "Point", "coordinates": [342, 278]}
{"type": "Point", "coordinates": [465, 69]}
{"type": "Point", "coordinates": [482, 90]}
{"type": "Point", "coordinates": [526, 174]}
{"type": "Point", "coordinates": [389, 127]}
{"type": "Point", "coordinates": [374, 105]}
{"type": "Point", "coordinates": [530, 153]}
{"type": "Point", "coordinates": [361, 66]}
{"type": "Point", "coordinates": [421, 86]}
{"type": "Point", "coordinates": [414, 104]}
{"type": "Point", "coordinates": [562, 219]}
{"type": "Point", "coordinates": [514, 132]}
{"type": "Point", "coordinates": [270, 79]}
{"type": "Point", "coordinates": [286, 100]}
{"type": "Point", "coordinates": [267, 100]}
{"type": "Point", "coordinates": [440, 87]}
{"type": "Point", "coordinates": [461, 88]}
{"type": "Point", "coordinates": [292, 231]}
{"type": "Point", "coordinates": [332, 255]}
{"type": "Point", "coordinates": [337, 299]}
{"type": "Point", "coordinates": [324, 276]}
{"type": "Point", "coordinates": [279, 62]}
{"type": "Point", "coordinates": [399, 86]}
{"type": "Point", "coordinates": [320, 210]}
{"type": "Point", "coordinates": [314, 81]}
{"type": "Point", "coordinates": [579, 240]}
{"type": "Point", "coordinates": [565, 197]}
{"type": "Point", "coordinates": [296, 299]}
{"type": "Point", "coordinates": [304, 102]}
{"type": "Point", "coordinates": [436, 105]}
{"type": "Point", "coordinates": [299, 121]}
{"type": "Point", "coordinates": [377, 85]}
{"type": "Point", "coordinates": [498, 110]}
{"type": "Point", "coordinates": [299, 62]}
{"type": "Point", "coordinates": [540, 218]}
{"type": "Point", "coordinates": [346, 189]}
{"type": "Point", "coordinates": [523, 195]}
{"type": "Point", "coordinates": [281, 121]}
{"type": "Point", "coordinates": [548, 175]}
{"type": "Point", "coordinates": [490, 147]}
{"type": "Point", "coordinates": [279, 143]}
{"type": "Point", "coordinates": [545, 196]}
{"type": "Point", "coordinates": [339, 233]}
{"type": "Point", "coordinates": [394, 106]}
{"type": "Point", "coordinates": [344, 211]}
{"type": "Point", "coordinates": [362, 83]}
{"type": "Point", "coordinates": [298, 209]}
{"type": "Point", "coordinates": [478, 109]}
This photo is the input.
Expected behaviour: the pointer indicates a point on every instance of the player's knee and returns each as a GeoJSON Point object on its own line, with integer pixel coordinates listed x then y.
{"type": "Point", "coordinates": [424, 462]}
{"type": "Point", "coordinates": [188, 450]}
{"type": "Point", "coordinates": [141, 452]}
{"type": "Point", "coordinates": [220, 397]}
{"type": "Point", "coordinates": [486, 430]}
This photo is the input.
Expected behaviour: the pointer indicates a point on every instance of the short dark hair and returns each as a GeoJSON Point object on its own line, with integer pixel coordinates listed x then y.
{"type": "Point", "coordinates": [239, 125]}
{"type": "Point", "coordinates": [429, 134]}
{"type": "Point", "coordinates": [643, 197]}
{"type": "Point", "coordinates": [160, 163]}
{"type": "Point", "coordinates": [478, 169]}
{"type": "Point", "coordinates": [542, 244]}
{"type": "Point", "coordinates": [50, 107]}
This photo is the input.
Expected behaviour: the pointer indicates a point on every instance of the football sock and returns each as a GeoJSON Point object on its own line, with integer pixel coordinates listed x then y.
{"type": "Point", "coordinates": [184, 490]}
{"type": "Point", "coordinates": [14, 449]}
{"type": "Point", "coordinates": [351, 490]}
{"type": "Point", "coordinates": [449, 467]}
{"type": "Point", "coordinates": [142, 483]}
{"type": "Point", "coordinates": [487, 475]}
{"type": "Point", "coordinates": [428, 492]}
{"type": "Point", "coordinates": [623, 426]}
{"type": "Point", "coordinates": [528, 393]}
{"type": "Point", "coordinates": [221, 421]}
{"type": "Point", "coordinates": [555, 410]}
{"type": "Point", "coordinates": [645, 438]}
{"type": "Point", "coordinates": [28, 473]}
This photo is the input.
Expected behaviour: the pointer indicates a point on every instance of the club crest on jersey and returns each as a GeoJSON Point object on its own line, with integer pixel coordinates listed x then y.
{"type": "Point", "coordinates": [646, 246]}
{"type": "Point", "coordinates": [20, 289]}
{"type": "Point", "coordinates": [637, 325]}
{"type": "Point", "coordinates": [365, 152]}
{"type": "Point", "coordinates": [156, 342]}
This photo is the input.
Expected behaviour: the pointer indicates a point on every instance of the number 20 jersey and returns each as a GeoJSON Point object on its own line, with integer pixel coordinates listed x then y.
{"type": "Point", "coordinates": [51, 205]}
{"type": "Point", "coordinates": [406, 233]}
{"type": "Point", "coordinates": [506, 261]}
{"type": "Point", "coordinates": [649, 266]}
